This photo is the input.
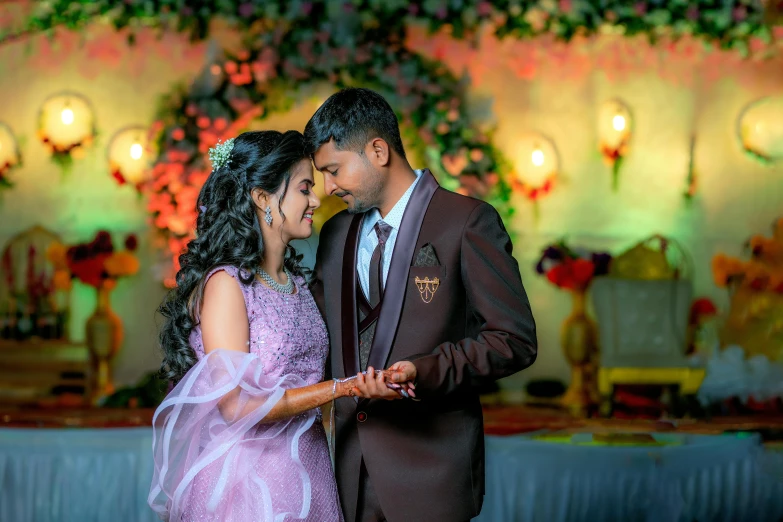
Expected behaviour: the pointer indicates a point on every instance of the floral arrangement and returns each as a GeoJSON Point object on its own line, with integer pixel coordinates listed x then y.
{"type": "Point", "coordinates": [95, 263]}
{"type": "Point", "coordinates": [762, 272]}
{"type": "Point", "coordinates": [13, 160]}
{"type": "Point", "coordinates": [733, 24]}
{"type": "Point", "coordinates": [572, 269]}
{"type": "Point", "coordinates": [5, 182]}
{"type": "Point", "coordinates": [613, 156]}
{"type": "Point", "coordinates": [534, 192]}
{"type": "Point", "coordinates": [292, 45]}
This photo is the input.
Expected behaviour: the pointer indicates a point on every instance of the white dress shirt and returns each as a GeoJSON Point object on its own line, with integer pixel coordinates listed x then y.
{"type": "Point", "coordinates": [368, 239]}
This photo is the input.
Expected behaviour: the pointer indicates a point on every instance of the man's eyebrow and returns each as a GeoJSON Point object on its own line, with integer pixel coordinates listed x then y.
{"type": "Point", "coordinates": [327, 166]}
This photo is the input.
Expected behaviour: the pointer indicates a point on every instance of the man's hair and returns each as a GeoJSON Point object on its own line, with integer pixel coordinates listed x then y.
{"type": "Point", "coordinates": [352, 117]}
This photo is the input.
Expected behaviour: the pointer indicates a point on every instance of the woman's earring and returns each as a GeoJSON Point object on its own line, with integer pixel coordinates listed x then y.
{"type": "Point", "coordinates": [268, 216]}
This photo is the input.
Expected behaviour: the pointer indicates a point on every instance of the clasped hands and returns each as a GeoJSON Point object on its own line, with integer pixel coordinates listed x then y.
{"type": "Point", "coordinates": [393, 383]}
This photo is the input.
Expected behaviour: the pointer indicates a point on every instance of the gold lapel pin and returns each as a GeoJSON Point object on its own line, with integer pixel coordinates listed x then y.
{"type": "Point", "coordinates": [427, 288]}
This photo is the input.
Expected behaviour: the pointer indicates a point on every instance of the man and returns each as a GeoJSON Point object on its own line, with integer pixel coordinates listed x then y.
{"type": "Point", "coordinates": [421, 277]}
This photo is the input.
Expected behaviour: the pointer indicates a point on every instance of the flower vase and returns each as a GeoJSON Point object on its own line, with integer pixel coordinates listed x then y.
{"type": "Point", "coordinates": [578, 337]}
{"type": "Point", "coordinates": [104, 339]}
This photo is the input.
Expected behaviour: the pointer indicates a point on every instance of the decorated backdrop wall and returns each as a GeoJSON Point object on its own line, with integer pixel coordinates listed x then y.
{"type": "Point", "coordinates": [550, 88]}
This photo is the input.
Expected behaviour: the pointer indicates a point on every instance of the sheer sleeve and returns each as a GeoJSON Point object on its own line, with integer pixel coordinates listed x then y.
{"type": "Point", "coordinates": [204, 445]}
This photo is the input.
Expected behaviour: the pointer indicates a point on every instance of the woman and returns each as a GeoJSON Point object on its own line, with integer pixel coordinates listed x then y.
{"type": "Point", "coordinates": [239, 438]}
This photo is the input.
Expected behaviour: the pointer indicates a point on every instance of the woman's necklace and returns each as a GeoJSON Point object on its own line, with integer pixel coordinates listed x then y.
{"type": "Point", "coordinates": [287, 288]}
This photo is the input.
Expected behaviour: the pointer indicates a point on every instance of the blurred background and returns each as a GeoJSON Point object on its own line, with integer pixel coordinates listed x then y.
{"type": "Point", "coordinates": [633, 149]}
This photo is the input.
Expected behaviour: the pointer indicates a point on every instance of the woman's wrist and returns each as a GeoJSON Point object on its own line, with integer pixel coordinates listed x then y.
{"type": "Point", "coordinates": [343, 389]}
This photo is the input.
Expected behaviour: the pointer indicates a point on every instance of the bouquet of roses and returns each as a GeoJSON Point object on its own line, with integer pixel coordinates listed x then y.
{"type": "Point", "coordinates": [95, 263]}
{"type": "Point", "coordinates": [572, 268]}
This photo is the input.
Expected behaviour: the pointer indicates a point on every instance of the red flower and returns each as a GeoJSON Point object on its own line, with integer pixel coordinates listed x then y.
{"type": "Point", "coordinates": [572, 274]}
{"type": "Point", "coordinates": [90, 270]}
{"type": "Point", "coordinates": [117, 175]}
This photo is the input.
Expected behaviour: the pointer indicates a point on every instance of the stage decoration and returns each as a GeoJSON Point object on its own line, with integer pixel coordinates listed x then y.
{"type": "Point", "coordinates": [99, 265]}
{"type": "Point", "coordinates": [702, 329]}
{"type": "Point", "coordinates": [755, 318]}
{"type": "Point", "coordinates": [573, 269]}
{"type": "Point", "coordinates": [656, 257]}
{"type": "Point", "coordinates": [31, 307]}
{"type": "Point", "coordinates": [732, 25]}
{"type": "Point", "coordinates": [536, 167]}
{"type": "Point", "coordinates": [295, 45]}
{"type": "Point", "coordinates": [614, 133]}
{"type": "Point", "coordinates": [760, 130]}
{"type": "Point", "coordinates": [66, 126]}
{"type": "Point", "coordinates": [129, 156]}
{"type": "Point", "coordinates": [691, 184]}
{"type": "Point", "coordinates": [10, 157]}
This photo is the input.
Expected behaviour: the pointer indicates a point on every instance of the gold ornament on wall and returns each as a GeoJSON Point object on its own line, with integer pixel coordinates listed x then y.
{"type": "Point", "coordinates": [66, 127]}
{"type": "Point", "coordinates": [760, 129]}
{"type": "Point", "coordinates": [129, 156]}
{"type": "Point", "coordinates": [10, 157]}
{"type": "Point", "coordinates": [614, 134]}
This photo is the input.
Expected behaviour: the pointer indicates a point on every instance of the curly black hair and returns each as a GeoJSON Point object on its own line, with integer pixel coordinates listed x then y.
{"type": "Point", "coordinates": [227, 233]}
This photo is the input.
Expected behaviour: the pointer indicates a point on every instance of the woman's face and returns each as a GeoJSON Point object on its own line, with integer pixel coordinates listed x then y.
{"type": "Point", "coordinates": [298, 205]}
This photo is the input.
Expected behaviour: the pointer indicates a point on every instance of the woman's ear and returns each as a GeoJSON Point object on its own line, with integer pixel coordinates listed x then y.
{"type": "Point", "coordinates": [260, 198]}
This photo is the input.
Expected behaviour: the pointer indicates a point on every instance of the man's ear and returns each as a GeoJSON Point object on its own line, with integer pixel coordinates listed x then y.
{"type": "Point", "coordinates": [377, 151]}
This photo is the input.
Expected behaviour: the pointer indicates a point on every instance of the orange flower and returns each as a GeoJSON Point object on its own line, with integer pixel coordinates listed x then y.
{"type": "Point", "coordinates": [756, 275]}
{"type": "Point", "coordinates": [57, 254]}
{"type": "Point", "coordinates": [62, 280]}
{"type": "Point", "coordinates": [121, 264]}
{"type": "Point", "coordinates": [724, 268]}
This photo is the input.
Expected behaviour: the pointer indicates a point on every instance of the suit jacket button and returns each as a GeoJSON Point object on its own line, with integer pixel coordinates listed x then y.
{"type": "Point", "coordinates": [361, 416]}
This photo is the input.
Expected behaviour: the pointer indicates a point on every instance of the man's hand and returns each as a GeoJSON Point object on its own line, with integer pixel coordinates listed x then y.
{"type": "Point", "coordinates": [402, 376]}
{"type": "Point", "coordinates": [377, 387]}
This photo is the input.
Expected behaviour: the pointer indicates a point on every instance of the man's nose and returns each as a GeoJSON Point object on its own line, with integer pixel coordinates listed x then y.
{"type": "Point", "coordinates": [329, 185]}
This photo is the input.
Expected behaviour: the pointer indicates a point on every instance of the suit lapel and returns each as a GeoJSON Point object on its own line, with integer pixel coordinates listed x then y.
{"type": "Point", "coordinates": [349, 327]}
{"type": "Point", "coordinates": [397, 279]}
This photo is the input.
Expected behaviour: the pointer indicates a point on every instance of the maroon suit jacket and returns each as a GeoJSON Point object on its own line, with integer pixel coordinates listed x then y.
{"type": "Point", "coordinates": [426, 458]}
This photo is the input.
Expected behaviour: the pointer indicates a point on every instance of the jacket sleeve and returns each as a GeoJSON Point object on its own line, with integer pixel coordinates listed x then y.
{"type": "Point", "coordinates": [506, 342]}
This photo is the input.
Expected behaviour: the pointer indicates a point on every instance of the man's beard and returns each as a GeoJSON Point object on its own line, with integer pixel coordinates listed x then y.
{"type": "Point", "coordinates": [370, 195]}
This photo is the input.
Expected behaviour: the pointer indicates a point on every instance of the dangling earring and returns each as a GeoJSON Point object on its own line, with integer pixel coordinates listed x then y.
{"type": "Point", "coordinates": [268, 216]}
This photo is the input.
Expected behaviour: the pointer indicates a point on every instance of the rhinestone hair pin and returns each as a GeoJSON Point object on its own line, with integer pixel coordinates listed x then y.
{"type": "Point", "coordinates": [220, 155]}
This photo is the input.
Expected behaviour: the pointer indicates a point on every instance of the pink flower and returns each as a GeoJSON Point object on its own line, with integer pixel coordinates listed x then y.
{"type": "Point", "coordinates": [566, 6]}
{"type": "Point", "coordinates": [640, 8]}
{"type": "Point", "coordinates": [246, 10]}
{"type": "Point", "coordinates": [739, 13]}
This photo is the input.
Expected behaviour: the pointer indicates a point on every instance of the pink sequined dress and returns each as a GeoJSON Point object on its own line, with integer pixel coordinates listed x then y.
{"type": "Point", "coordinates": [232, 466]}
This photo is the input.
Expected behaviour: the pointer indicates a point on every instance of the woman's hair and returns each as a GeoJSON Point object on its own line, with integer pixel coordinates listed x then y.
{"type": "Point", "coordinates": [227, 233]}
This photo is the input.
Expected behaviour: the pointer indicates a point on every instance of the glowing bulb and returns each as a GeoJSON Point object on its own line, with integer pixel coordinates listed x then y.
{"type": "Point", "coordinates": [537, 157]}
{"type": "Point", "coordinates": [618, 122]}
{"type": "Point", "coordinates": [136, 151]}
{"type": "Point", "coordinates": [67, 116]}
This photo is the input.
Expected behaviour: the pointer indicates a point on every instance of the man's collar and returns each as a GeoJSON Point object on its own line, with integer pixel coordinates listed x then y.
{"type": "Point", "coordinates": [394, 217]}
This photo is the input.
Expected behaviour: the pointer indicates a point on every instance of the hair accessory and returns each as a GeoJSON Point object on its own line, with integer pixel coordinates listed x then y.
{"type": "Point", "coordinates": [268, 215]}
{"type": "Point", "coordinates": [220, 155]}
{"type": "Point", "coordinates": [202, 208]}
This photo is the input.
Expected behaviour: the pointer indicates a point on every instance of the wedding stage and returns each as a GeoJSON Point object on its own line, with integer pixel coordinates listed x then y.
{"type": "Point", "coordinates": [540, 467]}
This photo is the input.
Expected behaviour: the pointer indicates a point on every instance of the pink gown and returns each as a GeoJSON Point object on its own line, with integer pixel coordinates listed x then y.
{"type": "Point", "coordinates": [232, 466]}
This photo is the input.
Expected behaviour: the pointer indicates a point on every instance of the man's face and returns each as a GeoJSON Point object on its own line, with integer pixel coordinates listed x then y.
{"type": "Point", "coordinates": [349, 176]}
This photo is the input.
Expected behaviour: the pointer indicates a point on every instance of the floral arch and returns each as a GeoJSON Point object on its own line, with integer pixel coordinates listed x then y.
{"type": "Point", "coordinates": [251, 84]}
